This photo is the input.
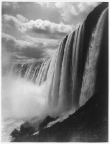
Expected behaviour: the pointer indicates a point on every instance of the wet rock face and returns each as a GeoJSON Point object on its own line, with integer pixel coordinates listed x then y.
{"type": "Point", "coordinates": [88, 80]}
{"type": "Point", "coordinates": [46, 121]}
{"type": "Point", "coordinates": [25, 129]}
{"type": "Point", "coordinates": [15, 134]}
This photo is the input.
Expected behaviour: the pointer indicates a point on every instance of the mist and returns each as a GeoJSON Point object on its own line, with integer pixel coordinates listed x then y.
{"type": "Point", "coordinates": [22, 99]}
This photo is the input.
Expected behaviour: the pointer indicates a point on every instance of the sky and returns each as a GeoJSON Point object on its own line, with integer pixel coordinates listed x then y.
{"type": "Point", "coordinates": [33, 30]}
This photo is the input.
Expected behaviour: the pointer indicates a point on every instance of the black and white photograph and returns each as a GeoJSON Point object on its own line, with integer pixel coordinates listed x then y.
{"type": "Point", "coordinates": [54, 71]}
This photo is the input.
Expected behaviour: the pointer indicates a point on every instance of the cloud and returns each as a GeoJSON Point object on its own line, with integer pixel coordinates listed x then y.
{"type": "Point", "coordinates": [42, 3]}
{"type": "Point", "coordinates": [48, 29]}
{"type": "Point", "coordinates": [76, 12]}
{"type": "Point", "coordinates": [39, 27]}
{"type": "Point", "coordinates": [47, 43]}
{"type": "Point", "coordinates": [15, 22]}
{"type": "Point", "coordinates": [21, 18]}
{"type": "Point", "coordinates": [14, 50]}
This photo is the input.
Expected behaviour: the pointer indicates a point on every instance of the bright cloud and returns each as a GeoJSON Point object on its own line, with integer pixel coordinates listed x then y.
{"type": "Point", "coordinates": [21, 18]}
{"type": "Point", "coordinates": [75, 12]}
{"type": "Point", "coordinates": [39, 27]}
{"type": "Point", "coordinates": [43, 3]}
{"type": "Point", "coordinates": [48, 29]}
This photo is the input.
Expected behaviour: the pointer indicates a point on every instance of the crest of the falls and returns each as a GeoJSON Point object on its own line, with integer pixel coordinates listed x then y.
{"type": "Point", "coordinates": [70, 75]}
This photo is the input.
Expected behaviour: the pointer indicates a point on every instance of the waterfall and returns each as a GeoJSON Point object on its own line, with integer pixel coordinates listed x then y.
{"type": "Point", "coordinates": [70, 75]}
